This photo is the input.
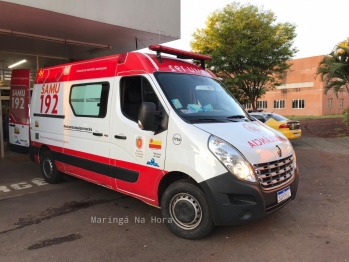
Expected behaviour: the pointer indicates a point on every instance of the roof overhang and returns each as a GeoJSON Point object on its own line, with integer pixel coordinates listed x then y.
{"type": "Point", "coordinates": [30, 31]}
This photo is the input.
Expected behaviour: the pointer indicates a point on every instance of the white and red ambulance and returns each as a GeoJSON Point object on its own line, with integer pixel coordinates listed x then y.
{"type": "Point", "coordinates": [164, 131]}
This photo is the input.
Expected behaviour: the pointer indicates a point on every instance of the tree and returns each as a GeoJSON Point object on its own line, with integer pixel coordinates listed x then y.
{"type": "Point", "coordinates": [238, 93]}
{"type": "Point", "coordinates": [334, 68]}
{"type": "Point", "coordinates": [247, 47]}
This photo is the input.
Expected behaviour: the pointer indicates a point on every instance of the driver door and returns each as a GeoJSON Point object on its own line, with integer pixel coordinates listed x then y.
{"type": "Point", "coordinates": [137, 156]}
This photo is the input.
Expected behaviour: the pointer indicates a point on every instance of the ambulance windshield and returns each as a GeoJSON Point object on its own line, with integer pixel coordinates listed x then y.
{"type": "Point", "coordinates": [200, 99]}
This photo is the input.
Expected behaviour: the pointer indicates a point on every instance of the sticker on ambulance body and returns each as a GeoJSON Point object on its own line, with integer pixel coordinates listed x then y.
{"type": "Point", "coordinates": [139, 146]}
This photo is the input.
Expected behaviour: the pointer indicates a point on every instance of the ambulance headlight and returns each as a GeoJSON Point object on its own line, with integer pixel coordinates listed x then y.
{"type": "Point", "coordinates": [231, 159]}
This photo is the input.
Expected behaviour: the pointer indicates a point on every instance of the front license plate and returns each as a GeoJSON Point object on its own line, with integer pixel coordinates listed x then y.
{"type": "Point", "coordinates": [284, 194]}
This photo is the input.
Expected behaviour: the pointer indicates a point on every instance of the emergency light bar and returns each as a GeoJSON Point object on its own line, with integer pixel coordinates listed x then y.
{"type": "Point", "coordinates": [179, 53]}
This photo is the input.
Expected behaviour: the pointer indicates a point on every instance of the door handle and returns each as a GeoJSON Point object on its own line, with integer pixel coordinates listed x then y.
{"type": "Point", "coordinates": [12, 125]}
{"type": "Point", "coordinates": [97, 134]}
{"type": "Point", "coordinates": [120, 137]}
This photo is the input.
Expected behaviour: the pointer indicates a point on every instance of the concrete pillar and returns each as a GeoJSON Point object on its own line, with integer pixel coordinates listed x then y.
{"type": "Point", "coordinates": [2, 152]}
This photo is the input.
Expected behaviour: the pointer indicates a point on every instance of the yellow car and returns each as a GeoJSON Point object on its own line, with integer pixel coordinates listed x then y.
{"type": "Point", "coordinates": [290, 128]}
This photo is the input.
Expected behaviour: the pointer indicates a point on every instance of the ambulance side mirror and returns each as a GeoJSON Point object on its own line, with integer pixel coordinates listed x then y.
{"type": "Point", "coordinates": [148, 118]}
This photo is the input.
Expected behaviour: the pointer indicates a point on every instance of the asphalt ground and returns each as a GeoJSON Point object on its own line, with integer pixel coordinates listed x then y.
{"type": "Point", "coordinates": [41, 222]}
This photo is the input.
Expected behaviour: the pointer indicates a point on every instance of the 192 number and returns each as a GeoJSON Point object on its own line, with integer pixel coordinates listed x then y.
{"type": "Point", "coordinates": [47, 101]}
{"type": "Point", "coordinates": [18, 102]}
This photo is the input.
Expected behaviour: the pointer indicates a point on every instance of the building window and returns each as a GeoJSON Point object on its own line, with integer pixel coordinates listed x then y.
{"type": "Point", "coordinates": [298, 103]}
{"type": "Point", "coordinates": [89, 100]}
{"type": "Point", "coordinates": [329, 103]}
{"type": "Point", "coordinates": [262, 104]}
{"type": "Point", "coordinates": [247, 106]}
{"type": "Point", "coordinates": [5, 92]}
{"type": "Point", "coordinates": [279, 103]}
{"type": "Point", "coordinates": [341, 103]}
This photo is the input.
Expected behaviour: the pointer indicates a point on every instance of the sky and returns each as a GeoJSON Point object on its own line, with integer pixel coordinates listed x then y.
{"type": "Point", "coordinates": [320, 25]}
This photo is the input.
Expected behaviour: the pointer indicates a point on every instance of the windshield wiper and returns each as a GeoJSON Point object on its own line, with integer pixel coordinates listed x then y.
{"type": "Point", "coordinates": [208, 120]}
{"type": "Point", "coordinates": [237, 116]}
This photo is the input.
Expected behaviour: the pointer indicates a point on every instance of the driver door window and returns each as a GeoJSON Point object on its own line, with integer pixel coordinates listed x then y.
{"type": "Point", "coordinates": [134, 90]}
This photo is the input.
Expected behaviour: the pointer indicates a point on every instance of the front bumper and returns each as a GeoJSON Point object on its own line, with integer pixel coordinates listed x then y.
{"type": "Point", "coordinates": [233, 201]}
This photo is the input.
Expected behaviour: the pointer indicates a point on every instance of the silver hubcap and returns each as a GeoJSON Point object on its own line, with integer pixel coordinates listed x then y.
{"type": "Point", "coordinates": [185, 211]}
{"type": "Point", "coordinates": [47, 167]}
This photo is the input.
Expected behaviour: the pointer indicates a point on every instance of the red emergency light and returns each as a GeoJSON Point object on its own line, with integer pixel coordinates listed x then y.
{"type": "Point", "coordinates": [179, 53]}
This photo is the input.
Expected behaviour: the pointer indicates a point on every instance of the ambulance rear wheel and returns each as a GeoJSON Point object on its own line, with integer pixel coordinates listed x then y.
{"type": "Point", "coordinates": [48, 168]}
{"type": "Point", "coordinates": [185, 210]}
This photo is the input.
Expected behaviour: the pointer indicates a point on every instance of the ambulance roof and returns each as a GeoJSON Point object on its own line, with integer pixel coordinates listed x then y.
{"type": "Point", "coordinates": [120, 64]}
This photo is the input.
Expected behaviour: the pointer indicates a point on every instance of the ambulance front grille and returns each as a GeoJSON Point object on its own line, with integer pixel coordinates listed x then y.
{"type": "Point", "coordinates": [275, 174]}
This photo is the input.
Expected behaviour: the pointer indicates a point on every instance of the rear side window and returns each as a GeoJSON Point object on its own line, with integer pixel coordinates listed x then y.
{"type": "Point", "coordinates": [278, 117]}
{"type": "Point", "coordinates": [89, 100]}
{"type": "Point", "coordinates": [259, 117]}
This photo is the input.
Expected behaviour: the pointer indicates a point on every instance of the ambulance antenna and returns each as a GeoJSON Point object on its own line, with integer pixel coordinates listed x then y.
{"type": "Point", "coordinates": [136, 43]}
{"type": "Point", "coordinates": [140, 42]}
{"type": "Point", "coordinates": [158, 56]}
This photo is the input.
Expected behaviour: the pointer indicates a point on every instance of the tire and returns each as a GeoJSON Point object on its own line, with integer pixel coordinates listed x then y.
{"type": "Point", "coordinates": [48, 168]}
{"type": "Point", "coordinates": [185, 210]}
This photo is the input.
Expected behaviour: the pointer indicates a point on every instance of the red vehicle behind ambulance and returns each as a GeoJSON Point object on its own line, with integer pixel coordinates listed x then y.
{"type": "Point", "coordinates": [164, 131]}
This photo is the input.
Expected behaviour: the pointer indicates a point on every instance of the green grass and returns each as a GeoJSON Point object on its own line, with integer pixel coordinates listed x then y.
{"type": "Point", "coordinates": [314, 117]}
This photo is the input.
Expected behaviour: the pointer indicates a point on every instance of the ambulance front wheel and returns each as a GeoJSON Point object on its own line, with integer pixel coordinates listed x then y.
{"type": "Point", "coordinates": [185, 210]}
{"type": "Point", "coordinates": [48, 168]}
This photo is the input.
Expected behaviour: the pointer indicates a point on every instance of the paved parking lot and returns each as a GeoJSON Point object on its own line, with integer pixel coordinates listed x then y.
{"type": "Point", "coordinates": [41, 222]}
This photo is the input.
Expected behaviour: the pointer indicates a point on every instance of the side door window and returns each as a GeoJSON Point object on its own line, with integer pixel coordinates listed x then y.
{"type": "Point", "coordinates": [89, 100]}
{"type": "Point", "coordinates": [134, 90]}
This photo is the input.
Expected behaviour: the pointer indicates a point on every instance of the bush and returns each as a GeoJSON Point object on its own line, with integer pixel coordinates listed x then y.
{"type": "Point", "coordinates": [346, 116]}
